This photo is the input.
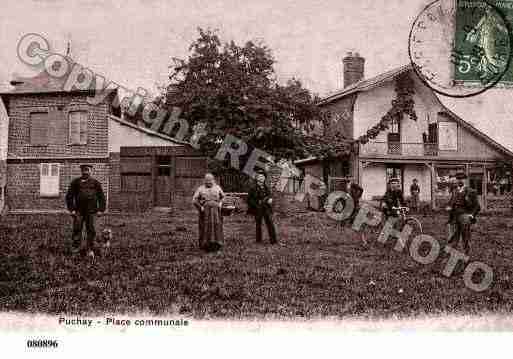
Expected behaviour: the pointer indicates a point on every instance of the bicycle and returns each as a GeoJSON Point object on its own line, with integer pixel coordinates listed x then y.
{"type": "Point", "coordinates": [401, 212]}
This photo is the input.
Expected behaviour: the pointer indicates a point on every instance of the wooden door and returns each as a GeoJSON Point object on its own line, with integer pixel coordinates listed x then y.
{"type": "Point", "coordinates": [163, 181]}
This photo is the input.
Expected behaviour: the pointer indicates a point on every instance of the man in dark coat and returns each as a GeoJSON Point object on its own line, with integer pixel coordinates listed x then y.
{"type": "Point", "coordinates": [356, 192]}
{"type": "Point", "coordinates": [393, 198]}
{"type": "Point", "coordinates": [463, 210]}
{"type": "Point", "coordinates": [260, 205]}
{"type": "Point", "coordinates": [85, 199]}
{"type": "Point", "coordinates": [415, 194]}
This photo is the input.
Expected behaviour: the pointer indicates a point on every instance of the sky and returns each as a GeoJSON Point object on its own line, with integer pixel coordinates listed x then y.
{"type": "Point", "coordinates": [132, 42]}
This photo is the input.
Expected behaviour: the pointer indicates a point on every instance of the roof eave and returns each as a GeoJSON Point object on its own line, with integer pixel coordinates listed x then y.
{"type": "Point", "coordinates": [147, 131]}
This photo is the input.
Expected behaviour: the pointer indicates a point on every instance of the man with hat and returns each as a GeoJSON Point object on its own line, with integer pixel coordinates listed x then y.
{"type": "Point", "coordinates": [260, 205]}
{"type": "Point", "coordinates": [415, 195]}
{"type": "Point", "coordinates": [356, 192]}
{"type": "Point", "coordinates": [84, 199]}
{"type": "Point", "coordinates": [463, 210]}
{"type": "Point", "coordinates": [393, 197]}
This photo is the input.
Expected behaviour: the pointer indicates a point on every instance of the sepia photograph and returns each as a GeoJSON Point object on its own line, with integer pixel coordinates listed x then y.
{"type": "Point", "coordinates": [180, 172]}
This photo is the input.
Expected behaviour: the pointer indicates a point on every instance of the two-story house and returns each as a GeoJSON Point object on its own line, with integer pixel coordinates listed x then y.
{"type": "Point", "coordinates": [47, 132]}
{"type": "Point", "coordinates": [431, 147]}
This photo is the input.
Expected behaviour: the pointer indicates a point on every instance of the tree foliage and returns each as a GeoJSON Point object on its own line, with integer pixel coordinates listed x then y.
{"type": "Point", "coordinates": [234, 90]}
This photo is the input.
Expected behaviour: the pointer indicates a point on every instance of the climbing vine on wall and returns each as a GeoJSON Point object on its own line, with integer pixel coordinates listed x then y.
{"type": "Point", "coordinates": [403, 104]}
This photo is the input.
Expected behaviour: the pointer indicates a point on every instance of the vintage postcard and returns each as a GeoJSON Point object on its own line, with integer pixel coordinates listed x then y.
{"type": "Point", "coordinates": [226, 172]}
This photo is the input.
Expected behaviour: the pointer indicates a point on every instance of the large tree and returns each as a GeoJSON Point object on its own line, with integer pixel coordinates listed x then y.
{"type": "Point", "coordinates": [234, 90]}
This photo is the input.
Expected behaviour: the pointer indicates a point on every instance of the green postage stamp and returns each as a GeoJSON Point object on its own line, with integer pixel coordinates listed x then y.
{"type": "Point", "coordinates": [483, 43]}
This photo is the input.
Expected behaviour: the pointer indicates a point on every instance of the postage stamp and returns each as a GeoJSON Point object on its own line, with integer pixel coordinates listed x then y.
{"type": "Point", "coordinates": [482, 45]}
{"type": "Point", "coordinates": [461, 48]}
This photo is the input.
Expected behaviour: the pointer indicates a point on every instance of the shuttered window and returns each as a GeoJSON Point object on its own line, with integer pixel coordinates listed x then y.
{"type": "Point", "coordinates": [78, 127]}
{"type": "Point", "coordinates": [49, 179]}
{"type": "Point", "coordinates": [39, 128]}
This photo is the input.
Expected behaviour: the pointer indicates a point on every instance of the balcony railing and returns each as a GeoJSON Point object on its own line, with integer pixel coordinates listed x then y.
{"type": "Point", "coordinates": [399, 149]}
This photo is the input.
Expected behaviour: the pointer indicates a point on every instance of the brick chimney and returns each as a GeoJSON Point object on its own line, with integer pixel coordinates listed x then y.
{"type": "Point", "coordinates": [354, 66]}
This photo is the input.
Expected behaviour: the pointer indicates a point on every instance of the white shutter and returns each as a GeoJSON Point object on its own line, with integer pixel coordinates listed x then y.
{"type": "Point", "coordinates": [74, 128]}
{"type": "Point", "coordinates": [83, 127]}
{"type": "Point", "coordinates": [78, 127]}
{"type": "Point", "coordinates": [49, 179]}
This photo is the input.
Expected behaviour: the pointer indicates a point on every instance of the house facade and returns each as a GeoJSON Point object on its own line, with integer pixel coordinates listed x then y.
{"type": "Point", "coordinates": [51, 132]}
{"type": "Point", "coordinates": [431, 147]}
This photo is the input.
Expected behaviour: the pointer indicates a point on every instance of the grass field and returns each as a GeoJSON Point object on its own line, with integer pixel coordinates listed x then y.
{"type": "Point", "coordinates": [321, 270]}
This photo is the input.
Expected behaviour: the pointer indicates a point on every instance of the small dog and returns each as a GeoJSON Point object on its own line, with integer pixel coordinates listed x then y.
{"type": "Point", "coordinates": [106, 237]}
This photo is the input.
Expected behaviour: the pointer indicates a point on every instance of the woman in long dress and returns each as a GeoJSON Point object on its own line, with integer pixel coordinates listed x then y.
{"type": "Point", "coordinates": [208, 199]}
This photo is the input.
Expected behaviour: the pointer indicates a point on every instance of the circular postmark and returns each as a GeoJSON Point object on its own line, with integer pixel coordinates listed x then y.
{"type": "Point", "coordinates": [461, 48]}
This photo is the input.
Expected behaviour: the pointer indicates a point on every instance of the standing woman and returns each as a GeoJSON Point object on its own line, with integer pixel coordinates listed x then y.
{"type": "Point", "coordinates": [208, 200]}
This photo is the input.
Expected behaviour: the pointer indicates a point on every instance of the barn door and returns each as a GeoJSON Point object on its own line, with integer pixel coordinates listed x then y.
{"type": "Point", "coordinates": [163, 181]}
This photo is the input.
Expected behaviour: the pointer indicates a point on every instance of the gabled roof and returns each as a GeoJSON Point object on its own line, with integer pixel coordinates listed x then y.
{"type": "Point", "coordinates": [41, 83]}
{"type": "Point", "coordinates": [369, 84]}
{"type": "Point", "coordinates": [146, 130]}
{"type": "Point", "coordinates": [366, 84]}
{"type": "Point", "coordinates": [476, 132]}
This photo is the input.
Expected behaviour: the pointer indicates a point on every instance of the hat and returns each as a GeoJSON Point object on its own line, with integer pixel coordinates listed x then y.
{"type": "Point", "coordinates": [461, 175]}
{"type": "Point", "coordinates": [86, 165]}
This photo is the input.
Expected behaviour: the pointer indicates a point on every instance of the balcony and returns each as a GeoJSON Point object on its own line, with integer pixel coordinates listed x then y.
{"type": "Point", "coordinates": [399, 149]}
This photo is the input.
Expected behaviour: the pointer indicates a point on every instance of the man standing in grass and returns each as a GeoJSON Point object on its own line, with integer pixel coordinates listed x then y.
{"type": "Point", "coordinates": [85, 199]}
{"type": "Point", "coordinates": [464, 207]}
{"type": "Point", "coordinates": [260, 205]}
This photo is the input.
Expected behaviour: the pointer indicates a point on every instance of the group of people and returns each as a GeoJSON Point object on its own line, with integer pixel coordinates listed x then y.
{"type": "Point", "coordinates": [208, 200]}
{"type": "Point", "coordinates": [463, 207]}
{"type": "Point", "coordinates": [85, 200]}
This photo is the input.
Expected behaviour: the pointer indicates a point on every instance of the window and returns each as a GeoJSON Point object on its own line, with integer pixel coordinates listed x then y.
{"type": "Point", "coordinates": [448, 136]}
{"type": "Point", "coordinates": [395, 126]}
{"type": "Point", "coordinates": [78, 127]}
{"type": "Point", "coordinates": [39, 128]}
{"type": "Point", "coordinates": [164, 165]}
{"type": "Point", "coordinates": [394, 171]}
{"type": "Point", "coordinates": [433, 133]}
{"type": "Point", "coordinates": [49, 179]}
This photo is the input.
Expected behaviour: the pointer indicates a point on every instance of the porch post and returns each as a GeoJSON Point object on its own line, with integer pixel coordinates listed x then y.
{"type": "Point", "coordinates": [153, 180]}
{"type": "Point", "coordinates": [433, 183]}
{"type": "Point", "coordinates": [360, 172]}
{"type": "Point", "coordinates": [485, 188]}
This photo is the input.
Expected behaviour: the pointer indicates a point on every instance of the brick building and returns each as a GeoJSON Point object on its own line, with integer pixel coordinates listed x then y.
{"type": "Point", "coordinates": [52, 131]}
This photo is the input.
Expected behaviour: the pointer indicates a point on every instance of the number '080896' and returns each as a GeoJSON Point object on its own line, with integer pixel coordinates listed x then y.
{"type": "Point", "coordinates": [42, 343]}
